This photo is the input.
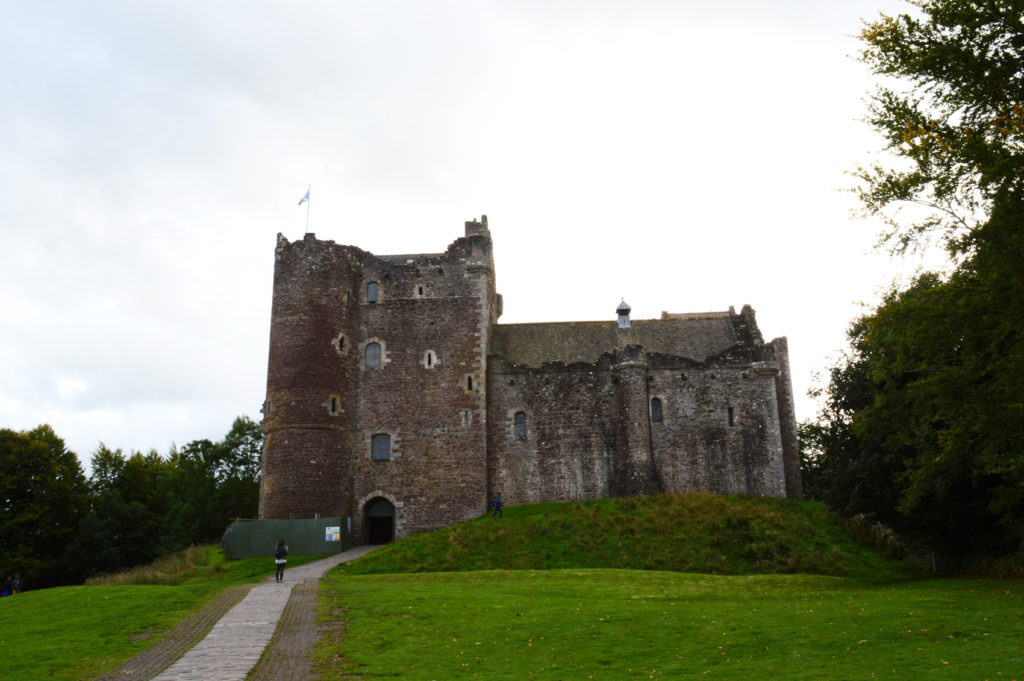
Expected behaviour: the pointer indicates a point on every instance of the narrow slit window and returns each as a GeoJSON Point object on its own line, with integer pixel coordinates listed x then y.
{"type": "Point", "coordinates": [380, 447]}
{"type": "Point", "coordinates": [373, 356]}
{"type": "Point", "coordinates": [430, 359]}
{"type": "Point", "coordinates": [520, 421]}
{"type": "Point", "coordinates": [732, 417]}
{"type": "Point", "coordinates": [656, 410]}
{"type": "Point", "coordinates": [372, 292]}
{"type": "Point", "coordinates": [469, 383]}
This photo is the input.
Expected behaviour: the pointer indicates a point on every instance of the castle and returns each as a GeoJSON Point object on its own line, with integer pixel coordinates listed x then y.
{"type": "Point", "coordinates": [397, 400]}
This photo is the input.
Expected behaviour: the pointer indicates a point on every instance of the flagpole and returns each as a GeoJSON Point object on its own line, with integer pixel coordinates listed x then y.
{"type": "Point", "coordinates": [308, 201]}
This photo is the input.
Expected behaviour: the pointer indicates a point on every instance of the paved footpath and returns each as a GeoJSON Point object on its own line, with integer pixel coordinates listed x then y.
{"type": "Point", "coordinates": [237, 641]}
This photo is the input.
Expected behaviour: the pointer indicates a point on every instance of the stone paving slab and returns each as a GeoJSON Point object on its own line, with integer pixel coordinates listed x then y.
{"type": "Point", "coordinates": [289, 657]}
{"type": "Point", "coordinates": [237, 641]}
{"type": "Point", "coordinates": [189, 632]}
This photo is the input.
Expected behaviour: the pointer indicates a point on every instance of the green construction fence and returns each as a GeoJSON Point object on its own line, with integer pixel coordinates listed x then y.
{"type": "Point", "coordinates": [305, 536]}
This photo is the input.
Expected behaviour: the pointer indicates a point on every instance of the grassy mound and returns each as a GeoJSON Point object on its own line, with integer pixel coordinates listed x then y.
{"type": "Point", "coordinates": [680, 532]}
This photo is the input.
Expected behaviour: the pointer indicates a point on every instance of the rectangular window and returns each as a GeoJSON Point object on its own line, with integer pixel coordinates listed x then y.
{"type": "Point", "coordinates": [373, 356]}
{"type": "Point", "coordinates": [381, 447]}
{"type": "Point", "coordinates": [656, 410]}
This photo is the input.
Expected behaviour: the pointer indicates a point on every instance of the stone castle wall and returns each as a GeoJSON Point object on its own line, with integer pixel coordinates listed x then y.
{"type": "Point", "coordinates": [590, 432]}
{"type": "Point", "coordinates": [451, 382]}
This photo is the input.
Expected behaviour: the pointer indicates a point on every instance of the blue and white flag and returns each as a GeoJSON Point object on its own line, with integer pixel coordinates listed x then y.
{"type": "Point", "coordinates": [304, 198]}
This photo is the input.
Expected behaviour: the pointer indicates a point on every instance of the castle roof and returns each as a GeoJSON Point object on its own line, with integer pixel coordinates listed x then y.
{"type": "Point", "coordinates": [694, 336]}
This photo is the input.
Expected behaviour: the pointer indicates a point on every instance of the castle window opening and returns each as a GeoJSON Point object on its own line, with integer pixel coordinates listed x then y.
{"type": "Point", "coordinates": [340, 344]}
{"type": "Point", "coordinates": [430, 358]}
{"type": "Point", "coordinates": [520, 421]}
{"type": "Point", "coordinates": [372, 292]}
{"type": "Point", "coordinates": [469, 383]}
{"type": "Point", "coordinates": [656, 410]}
{"type": "Point", "coordinates": [334, 405]}
{"type": "Point", "coordinates": [419, 290]}
{"type": "Point", "coordinates": [380, 447]}
{"type": "Point", "coordinates": [373, 356]}
{"type": "Point", "coordinates": [732, 417]}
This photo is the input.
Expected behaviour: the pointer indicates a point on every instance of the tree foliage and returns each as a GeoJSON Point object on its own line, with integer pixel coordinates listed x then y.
{"type": "Point", "coordinates": [43, 496]}
{"type": "Point", "coordinates": [923, 418]}
{"type": "Point", "coordinates": [56, 527]}
{"type": "Point", "coordinates": [951, 114]}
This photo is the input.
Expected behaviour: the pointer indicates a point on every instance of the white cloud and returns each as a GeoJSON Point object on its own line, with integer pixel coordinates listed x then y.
{"type": "Point", "coordinates": [684, 155]}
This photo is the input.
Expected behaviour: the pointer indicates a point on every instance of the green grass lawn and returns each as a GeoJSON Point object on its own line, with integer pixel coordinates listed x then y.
{"type": "Point", "coordinates": [682, 532]}
{"type": "Point", "coordinates": [629, 624]}
{"type": "Point", "coordinates": [80, 632]}
{"type": "Point", "coordinates": [607, 589]}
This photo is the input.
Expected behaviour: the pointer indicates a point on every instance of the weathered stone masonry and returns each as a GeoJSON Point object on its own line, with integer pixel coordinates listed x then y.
{"type": "Point", "coordinates": [394, 397]}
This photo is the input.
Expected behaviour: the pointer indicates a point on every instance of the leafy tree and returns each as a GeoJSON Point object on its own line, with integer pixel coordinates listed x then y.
{"type": "Point", "coordinates": [953, 118]}
{"type": "Point", "coordinates": [56, 527]}
{"type": "Point", "coordinates": [917, 428]}
{"type": "Point", "coordinates": [238, 484]}
{"type": "Point", "coordinates": [214, 483]}
{"type": "Point", "coordinates": [923, 423]}
{"type": "Point", "coordinates": [43, 495]}
{"type": "Point", "coordinates": [129, 504]}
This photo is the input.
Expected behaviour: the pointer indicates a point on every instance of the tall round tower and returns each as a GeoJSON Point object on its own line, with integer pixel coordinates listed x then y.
{"type": "Point", "coordinates": [312, 369]}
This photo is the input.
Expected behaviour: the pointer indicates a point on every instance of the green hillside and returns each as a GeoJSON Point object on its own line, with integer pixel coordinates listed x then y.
{"type": "Point", "coordinates": [683, 532]}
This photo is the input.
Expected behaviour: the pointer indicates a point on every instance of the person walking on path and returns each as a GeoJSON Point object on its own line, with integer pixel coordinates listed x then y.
{"type": "Point", "coordinates": [279, 557]}
{"type": "Point", "coordinates": [497, 506]}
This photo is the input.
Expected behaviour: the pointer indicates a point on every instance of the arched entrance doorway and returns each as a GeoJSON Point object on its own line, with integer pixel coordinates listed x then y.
{"type": "Point", "coordinates": [378, 521]}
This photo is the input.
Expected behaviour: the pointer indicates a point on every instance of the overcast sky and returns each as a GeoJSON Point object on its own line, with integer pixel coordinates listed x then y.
{"type": "Point", "coordinates": [686, 156]}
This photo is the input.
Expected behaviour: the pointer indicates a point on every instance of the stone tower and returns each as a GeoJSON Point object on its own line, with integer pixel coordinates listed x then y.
{"type": "Point", "coordinates": [376, 384]}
